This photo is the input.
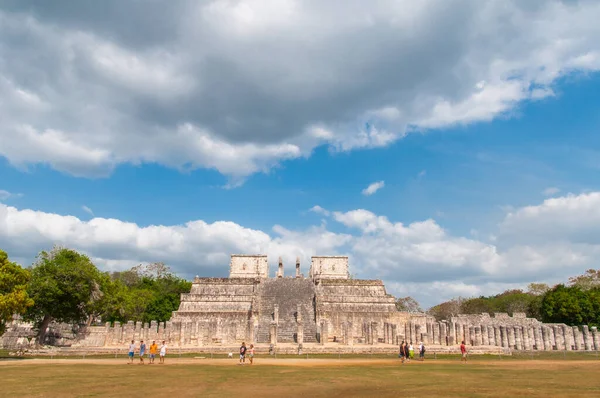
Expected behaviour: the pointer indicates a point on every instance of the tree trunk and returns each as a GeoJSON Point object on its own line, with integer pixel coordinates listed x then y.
{"type": "Point", "coordinates": [42, 333]}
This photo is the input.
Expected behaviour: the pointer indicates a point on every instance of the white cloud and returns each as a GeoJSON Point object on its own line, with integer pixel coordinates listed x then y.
{"type": "Point", "coordinates": [243, 86]}
{"type": "Point", "coordinates": [4, 195]}
{"type": "Point", "coordinates": [372, 188]}
{"type": "Point", "coordinates": [550, 191]}
{"type": "Point", "coordinates": [421, 258]}
{"type": "Point", "coordinates": [319, 210]}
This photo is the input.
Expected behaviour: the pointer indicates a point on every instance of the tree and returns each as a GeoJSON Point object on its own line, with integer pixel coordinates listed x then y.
{"type": "Point", "coordinates": [537, 289]}
{"type": "Point", "coordinates": [571, 305]}
{"type": "Point", "coordinates": [589, 280]}
{"type": "Point", "coordinates": [408, 304]}
{"type": "Point", "coordinates": [446, 310]}
{"type": "Point", "coordinates": [13, 290]}
{"type": "Point", "coordinates": [65, 286]}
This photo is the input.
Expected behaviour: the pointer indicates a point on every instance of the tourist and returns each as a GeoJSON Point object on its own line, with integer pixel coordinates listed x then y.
{"type": "Point", "coordinates": [463, 351]}
{"type": "Point", "coordinates": [163, 352]}
{"type": "Point", "coordinates": [243, 353]}
{"type": "Point", "coordinates": [251, 354]}
{"type": "Point", "coordinates": [131, 352]}
{"type": "Point", "coordinates": [401, 354]}
{"type": "Point", "coordinates": [411, 351]}
{"type": "Point", "coordinates": [153, 349]}
{"type": "Point", "coordinates": [406, 352]}
{"type": "Point", "coordinates": [421, 351]}
{"type": "Point", "coordinates": [142, 351]}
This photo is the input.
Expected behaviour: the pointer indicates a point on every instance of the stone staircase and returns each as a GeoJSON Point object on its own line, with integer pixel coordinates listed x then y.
{"type": "Point", "coordinates": [287, 293]}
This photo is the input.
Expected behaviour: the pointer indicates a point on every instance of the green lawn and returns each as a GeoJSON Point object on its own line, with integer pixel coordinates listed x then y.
{"type": "Point", "coordinates": [308, 378]}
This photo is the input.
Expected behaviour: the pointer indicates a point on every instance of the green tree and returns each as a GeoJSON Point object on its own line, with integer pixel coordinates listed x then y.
{"type": "Point", "coordinates": [446, 310]}
{"type": "Point", "coordinates": [571, 305]}
{"type": "Point", "coordinates": [13, 290]}
{"type": "Point", "coordinates": [408, 304]}
{"type": "Point", "coordinates": [65, 286]}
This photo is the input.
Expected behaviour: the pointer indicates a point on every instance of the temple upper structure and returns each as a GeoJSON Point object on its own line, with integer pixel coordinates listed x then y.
{"type": "Point", "coordinates": [248, 266]}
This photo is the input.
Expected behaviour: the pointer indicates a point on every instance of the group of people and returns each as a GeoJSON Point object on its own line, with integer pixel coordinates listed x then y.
{"type": "Point", "coordinates": [152, 351]}
{"type": "Point", "coordinates": [407, 351]}
{"type": "Point", "coordinates": [244, 350]}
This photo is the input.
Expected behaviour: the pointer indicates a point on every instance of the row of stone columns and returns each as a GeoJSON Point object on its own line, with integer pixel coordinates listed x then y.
{"type": "Point", "coordinates": [529, 337]}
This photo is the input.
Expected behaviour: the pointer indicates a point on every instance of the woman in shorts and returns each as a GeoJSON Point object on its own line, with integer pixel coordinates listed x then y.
{"type": "Point", "coordinates": [251, 353]}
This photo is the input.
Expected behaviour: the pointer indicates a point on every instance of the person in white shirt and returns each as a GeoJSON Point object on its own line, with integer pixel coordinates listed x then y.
{"type": "Point", "coordinates": [162, 353]}
{"type": "Point", "coordinates": [131, 351]}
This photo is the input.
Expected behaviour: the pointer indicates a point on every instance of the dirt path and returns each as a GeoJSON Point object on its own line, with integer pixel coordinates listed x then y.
{"type": "Point", "coordinates": [298, 362]}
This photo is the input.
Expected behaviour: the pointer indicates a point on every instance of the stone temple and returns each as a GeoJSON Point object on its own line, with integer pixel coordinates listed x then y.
{"type": "Point", "coordinates": [328, 311]}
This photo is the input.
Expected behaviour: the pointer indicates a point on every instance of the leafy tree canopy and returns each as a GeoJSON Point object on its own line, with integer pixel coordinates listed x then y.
{"type": "Point", "coordinates": [65, 286]}
{"type": "Point", "coordinates": [13, 290]}
{"type": "Point", "coordinates": [408, 304]}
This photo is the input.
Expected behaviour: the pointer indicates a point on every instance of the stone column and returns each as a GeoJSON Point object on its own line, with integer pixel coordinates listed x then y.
{"type": "Point", "coordinates": [547, 338]}
{"type": "Point", "coordinates": [470, 334]}
{"type": "Point", "coordinates": [526, 340]}
{"type": "Point", "coordinates": [129, 331]}
{"type": "Point", "coordinates": [273, 333]}
{"type": "Point", "coordinates": [484, 335]}
{"type": "Point", "coordinates": [497, 336]}
{"type": "Point", "coordinates": [280, 268]}
{"type": "Point", "coordinates": [568, 335]}
{"type": "Point", "coordinates": [518, 338]}
{"type": "Point", "coordinates": [504, 336]}
{"type": "Point", "coordinates": [587, 341]}
{"type": "Point", "coordinates": [511, 336]}
{"type": "Point", "coordinates": [322, 332]}
{"type": "Point", "coordinates": [298, 267]}
{"type": "Point", "coordinates": [299, 324]}
{"type": "Point", "coordinates": [477, 339]}
{"type": "Point", "coordinates": [276, 314]}
{"type": "Point", "coordinates": [576, 338]}
{"type": "Point", "coordinates": [561, 339]}
{"type": "Point", "coordinates": [394, 335]}
{"type": "Point", "coordinates": [595, 338]}
{"type": "Point", "coordinates": [452, 337]}
{"type": "Point", "coordinates": [418, 333]}
{"type": "Point", "coordinates": [118, 333]}
{"type": "Point", "coordinates": [539, 338]}
{"type": "Point", "coordinates": [374, 332]}
{"type": "Point", "coordinates": [443, 333]}
{"type": "Point", "coordinates": [168, 331]}
{"type": "Point", "coordinates": [351, 334]}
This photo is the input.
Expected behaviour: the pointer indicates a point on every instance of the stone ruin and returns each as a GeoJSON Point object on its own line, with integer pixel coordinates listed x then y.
{"type": "Point", "coordinates": [326, 311]}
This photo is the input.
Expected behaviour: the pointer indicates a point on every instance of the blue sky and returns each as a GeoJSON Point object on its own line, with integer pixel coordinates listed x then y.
{"type": "Point", "coordinates": [137, 147]}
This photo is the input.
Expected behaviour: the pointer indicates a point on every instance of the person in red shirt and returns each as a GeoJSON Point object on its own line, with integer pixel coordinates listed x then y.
{"type": "Point", "coordinates": [463, 351]}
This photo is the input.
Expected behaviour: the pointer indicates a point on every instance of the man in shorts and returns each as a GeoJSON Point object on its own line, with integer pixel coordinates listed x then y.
{"type": "Point", "coordinates": [153, 349]}
{"type": "Point", "coordinates": [142, 351]}
{"type": "Point", "coordinates": [162, 353]}
{"type": "Point", "coordinates": [131, 352]}
{"type": "Point", "coordinates": [463, 351]}
{"type": "Point", "coordinates": [243, 354]}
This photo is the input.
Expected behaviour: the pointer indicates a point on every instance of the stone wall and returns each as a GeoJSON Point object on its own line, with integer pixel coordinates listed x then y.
{"type": "Point", "coordinates": [329, 267]}
{"type": "Point", "coordinates": [248, 266]}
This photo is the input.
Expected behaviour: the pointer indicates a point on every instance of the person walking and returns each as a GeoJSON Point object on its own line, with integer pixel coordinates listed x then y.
{"type": "Point", "coordinates": [152, 352]}
{"type": "Point", "coordinates": [243, 353]}
{"type": "Point", "coordinates": [251, 354]}
{"type": "Point", "coordinates": [463, 352]}
{"type": "Point", "coordinates": [131, 352]}
{"type": "Point", "coordinates": [411, 351]}
{"type": "Point", "coordinates": [406, 352]}
{"type": "Point", "coordinates": [142, 351]}
{"type": "Point", "coordinates": [401, 354]}
{"type": "Point", "coordinates": [163, 353]}
{"type": "Point", "coordinates": [422, 351]}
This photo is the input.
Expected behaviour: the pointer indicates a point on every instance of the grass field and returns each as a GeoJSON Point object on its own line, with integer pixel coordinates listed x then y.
{"type": "Point", "coordinates": [189, 377]}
